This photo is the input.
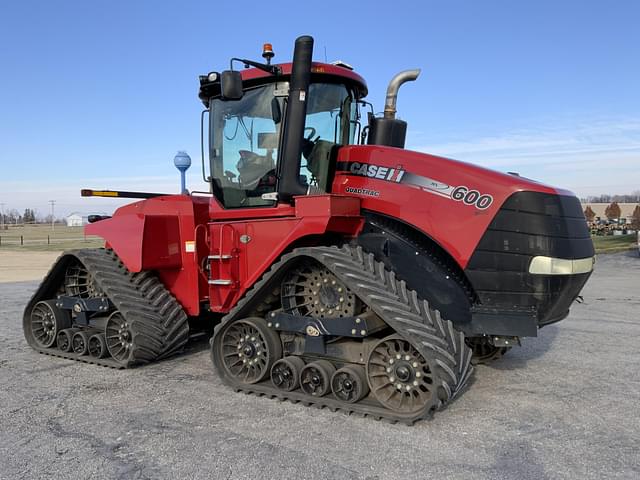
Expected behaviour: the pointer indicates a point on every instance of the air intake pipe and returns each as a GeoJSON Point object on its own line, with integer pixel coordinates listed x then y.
{"type": "Point", "coordinates": [293, 135]}
{"type": "Point", "coordinates": [388, 130]}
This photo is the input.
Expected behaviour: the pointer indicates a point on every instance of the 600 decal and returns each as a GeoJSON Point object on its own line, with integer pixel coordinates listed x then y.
{"type": "Point", "coordinates": [471, 197]}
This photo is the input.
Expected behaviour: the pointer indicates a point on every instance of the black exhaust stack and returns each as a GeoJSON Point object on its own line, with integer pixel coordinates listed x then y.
{"type": "Point", "coordinates": [293, 135]}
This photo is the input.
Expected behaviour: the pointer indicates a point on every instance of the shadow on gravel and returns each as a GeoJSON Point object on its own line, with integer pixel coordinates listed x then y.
{"type": "Point", "coordinates": [196, 344]}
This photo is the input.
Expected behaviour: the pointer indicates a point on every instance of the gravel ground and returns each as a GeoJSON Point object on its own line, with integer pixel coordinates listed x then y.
{"type": "Point", "coordinates": [565, 405]}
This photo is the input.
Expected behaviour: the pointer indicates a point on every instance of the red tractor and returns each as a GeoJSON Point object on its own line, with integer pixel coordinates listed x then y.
{"type": "Point", "coordinates": [338, 268]}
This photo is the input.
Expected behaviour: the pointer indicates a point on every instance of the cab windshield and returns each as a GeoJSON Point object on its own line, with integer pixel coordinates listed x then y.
{"type": "Point", "coordinates": [245, 137]}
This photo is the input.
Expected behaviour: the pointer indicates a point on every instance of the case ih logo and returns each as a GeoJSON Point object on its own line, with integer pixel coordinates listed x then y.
{"type": "Point", "coordinates": [376, 171]}
{"type": "Point", "coordinates": [461, 193]}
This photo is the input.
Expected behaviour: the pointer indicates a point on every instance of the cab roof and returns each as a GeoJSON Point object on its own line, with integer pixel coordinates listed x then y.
{"type": "Point", "coordinates": [320, 72]}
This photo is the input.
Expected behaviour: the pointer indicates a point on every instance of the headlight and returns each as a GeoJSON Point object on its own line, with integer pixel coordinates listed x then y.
{"type": "Point", "coordinates": [560, 266]}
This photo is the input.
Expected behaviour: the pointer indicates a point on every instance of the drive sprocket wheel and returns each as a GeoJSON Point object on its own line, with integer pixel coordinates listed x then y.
{"type": "Point", "coordinates": [312, 290]}
{"type": "Point", "coordinates": [78, 282]}
{"type": "Point", "coordinates": [285, 373]}
{"type": "Point", "coordinates": [400, 378]}
{"type": "Point", "coordinates": [248, 349]}
{"type": "Point", "coordinates": [483, 351]}
{"type": "Point", "coordinates": [46, 321]}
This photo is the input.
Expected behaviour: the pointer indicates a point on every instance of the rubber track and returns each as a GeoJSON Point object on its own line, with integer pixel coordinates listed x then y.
{"type": "Point", "coordinates": [411, 317]}
{"type": "Point", "coordinates": [103, 362]}
{"type": "Point", "coordinates": [157, 322]}
{"type": "Point", "coordinates": [175, 322]}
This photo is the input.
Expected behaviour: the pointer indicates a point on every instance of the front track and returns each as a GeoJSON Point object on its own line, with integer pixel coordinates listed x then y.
{"type": "Point", "coordinates": [405, 314]}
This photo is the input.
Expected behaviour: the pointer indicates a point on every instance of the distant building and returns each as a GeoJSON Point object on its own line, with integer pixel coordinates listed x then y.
{"type": "Point", "coordinates": [626, 210]}
{"type": "Point", "coordinates": [77, 219]}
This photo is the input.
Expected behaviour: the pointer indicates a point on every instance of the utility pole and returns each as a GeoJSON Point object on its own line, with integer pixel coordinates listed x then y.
{"type": "Point", "coordinates": [52, 202]}
{"type": "Point", "coordinates": [2, 214]}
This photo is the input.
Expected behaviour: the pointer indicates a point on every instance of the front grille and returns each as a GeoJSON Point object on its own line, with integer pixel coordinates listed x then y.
{"type": "Point", "coordinates": [527, 225]}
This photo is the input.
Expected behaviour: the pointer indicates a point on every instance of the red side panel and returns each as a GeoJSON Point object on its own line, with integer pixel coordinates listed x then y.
{"type": "Point", "coordinates": [245, 247]}
{"type": "Point", "coordinates": [124, 233]}
{"type": "Point", "coordinates": [159, 234]}
{"type": "Point", "coordinates": [452, 202]}
{"type": "Point", "coordinates": [161, 242]}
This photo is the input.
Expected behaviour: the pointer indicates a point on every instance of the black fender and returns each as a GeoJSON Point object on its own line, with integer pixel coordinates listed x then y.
{"type": "Point", "coordinates": [429, 270]}
{"type": "Point", "coordinates": [422, 264]}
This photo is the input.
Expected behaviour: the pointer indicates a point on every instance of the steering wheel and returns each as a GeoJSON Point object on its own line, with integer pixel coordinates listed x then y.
{"type": "Point", "coordinates": [307, 143]}
{"type": "Point", "coordinates": [313, 132]}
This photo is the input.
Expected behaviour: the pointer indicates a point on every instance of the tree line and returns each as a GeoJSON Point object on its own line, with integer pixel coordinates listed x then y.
{"type": "Point", "coordinates": [14, 217]}
{"type": "Point", "coordinates": [613, 212]}
{"type": "Point", "coordinates": [631, 198]}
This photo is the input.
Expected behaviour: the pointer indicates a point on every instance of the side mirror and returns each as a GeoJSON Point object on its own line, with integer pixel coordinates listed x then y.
{"type": "Point", "coordinates": [231, 85]}
{"type": "Point", "coordinates": [276, 113]}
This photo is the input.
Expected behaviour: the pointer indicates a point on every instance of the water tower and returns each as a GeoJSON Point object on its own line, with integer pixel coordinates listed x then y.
{"type": "Point", "coordinates": [182, 161]}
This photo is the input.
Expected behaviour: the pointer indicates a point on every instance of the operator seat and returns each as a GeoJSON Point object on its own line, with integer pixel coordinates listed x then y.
{"type": "Point", "coordinates": [319, 160]}
{"type": "Point", "coordinates": [252, 168]}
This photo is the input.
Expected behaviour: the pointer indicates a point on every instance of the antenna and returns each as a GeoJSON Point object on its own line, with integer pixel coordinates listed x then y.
{"type": "Point", "coordinates": [325, 54]}
{"type": "Point", "coordinates": [182, 161]}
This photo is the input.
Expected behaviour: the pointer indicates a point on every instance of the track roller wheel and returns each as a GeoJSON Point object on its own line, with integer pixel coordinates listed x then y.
{"type": "Point", "coordinates": [80, 342]}
{"type": "Point", "coordinates": [315, 378]}
{"type": "Point", "coordinates": [400, 378]}
{"type": "Point", "coordinates": [349, 384]}
{"type": "Point", "coordinates": [247, 349]}
{"type": "Point", "coordinates": [119, 337]}
{"type": "Point", "coordinates": [64, 339]}
{"type": "Point", "coordinates": [46, 321]}
{"type": "Point", "coordinates": [97, 346]}
{"type": "Point", "coordinates": [285, 373]}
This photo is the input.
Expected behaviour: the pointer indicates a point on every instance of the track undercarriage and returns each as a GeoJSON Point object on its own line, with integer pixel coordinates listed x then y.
{"type": "Point", "coordinates": [325, 326]}
{"type": "Point", "coordinates": [331, 327]}
{"type": "Point", "coordinates": [92, 309]}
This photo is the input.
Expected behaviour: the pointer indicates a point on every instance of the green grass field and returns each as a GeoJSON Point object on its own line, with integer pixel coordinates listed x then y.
{"type": "Point", "coordinates": [44, 238]}
{"type": "Point", "coordinates": [614, 243]}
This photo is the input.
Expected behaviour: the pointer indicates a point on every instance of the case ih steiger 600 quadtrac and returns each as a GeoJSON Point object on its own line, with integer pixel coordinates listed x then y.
{"type": "Point", "coordinates": [338, 268]}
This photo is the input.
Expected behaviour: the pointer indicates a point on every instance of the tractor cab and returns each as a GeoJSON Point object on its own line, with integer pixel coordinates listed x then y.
{"type": "Point", "coordinates": [267, 134]}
